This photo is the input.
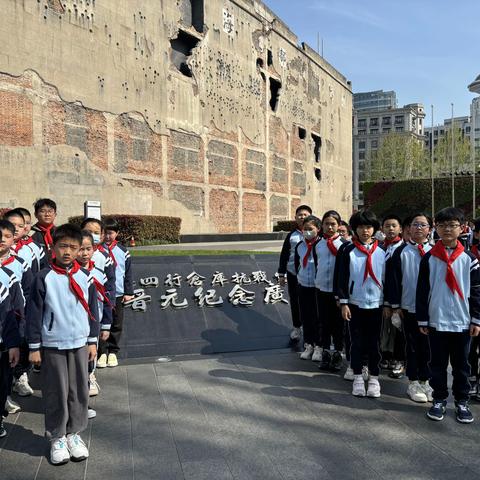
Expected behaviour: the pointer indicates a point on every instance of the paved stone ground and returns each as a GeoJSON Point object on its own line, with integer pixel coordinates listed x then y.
{"type": "Point", "coordinates": [262, 415]}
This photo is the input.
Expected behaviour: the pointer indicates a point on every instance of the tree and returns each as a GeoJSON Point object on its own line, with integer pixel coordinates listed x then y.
{"type": "Point", "coordinates": [443, 153]}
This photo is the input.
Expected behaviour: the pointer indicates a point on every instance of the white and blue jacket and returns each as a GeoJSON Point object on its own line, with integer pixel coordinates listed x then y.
{"type": "Point", "coordinates": [17, 300]}
{"type": "Point", "coordinates": [305, 275]}
{"type": "Point", "coordinates": [55, 317]}
{"type": "Point", "coordinates": [325, 263]}
{"type": "Point", "coordinates": [436, 306]}
{"type": "Point", "coordinates": [287, 255]}
{"type": "Point", "coordinates": [23, 273]}
{"type": "Point", "coordinates": [123, 272]}
{"type": "Point", "coordinates": [351, 287]}
{"type": "Point", "coordinates": [104, 263]}
{"type": "Point", "coordinates": [9, 332]}
{"type": "Point", "coordinates": [402, 275]}
{"type": "Point", "coordinates": [390, 249]}
{"type": "Point", "coordinates": [104, 309]}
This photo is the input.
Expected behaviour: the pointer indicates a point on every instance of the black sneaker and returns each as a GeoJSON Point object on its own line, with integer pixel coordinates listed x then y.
{"type": "Point", "coordinates": [337, 361]}
{"type": "Point", "coordinates": [398, 371]}
{"type": "Point", "coordinates": [473, 386]}
{"type": "Point", "coordinates": [36, 369]}
{"type": "Point", "coordinates": [3, 432]}
{"type": "Point", "coordinates": [464, 415]}
{"type": "Point", "coordinates": [437, 410]}
{"type": "Point", "coordinates": [326, 360]}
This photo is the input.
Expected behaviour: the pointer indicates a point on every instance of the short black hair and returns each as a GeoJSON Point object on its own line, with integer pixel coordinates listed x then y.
{"type": "Point", "coordinates": [332, 213]}
{"type": "Point", "coordinates": [421, 214]}
{"type": "Point", "coordinates": [13, 213]}
{"type": "Point", "coordinates": [364, 217]}
{"type": "Point", "coordinates": [67, 230]}
{"type": "Point", "coordinates": [303, 207]}
{"type": "Point", "coordinates": [111, 224]}
{"type": "Point", "coordinates": [6, 225]}
{"type": "Point", "coordinates": [92, 220]}
{"type": "Point", "coordinates": [391, 216]}
{"type": "Point", "coordinates": [450, 213]}
{"type": "Point", "coordinates": [24, 212]}
{"type": "Point", "coordinates": [87, 234]}
{"type": "Point", "coordinates": [345, 224]}
{"type": "Point", "coordinates": [44, 202]}
{"type": "Point", "coordinates": [407, 221]}
{"type": "Point", "coordinates": [313, 219]}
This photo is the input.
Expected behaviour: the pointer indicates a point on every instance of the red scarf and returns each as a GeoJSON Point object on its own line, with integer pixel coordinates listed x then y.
{"type": "Point", "coordinates": [387, 243]}
{"type": "Point", "coordinates": [74, 286]}
{"type": "Point", "coordinates": [110, 252]}
{"type": "Point", "coordinates": [331, 246]}
{"type": "Point", "coordinates": [440, 252]}
{"type": "Point", "coordinates": [310, 244]}
{"type": "Point", "coordinates": [21, 243]}
{"type": "Point", "coordinates": [100, 288]}
{"type": "Point", "coordinates": [47, 235]}
{"type": "Point", "coordinates": [368, 263]}
{"type": "Point", "coordinates": [9, 260]}
{"type": "Point", "coordinates": [421, 249]}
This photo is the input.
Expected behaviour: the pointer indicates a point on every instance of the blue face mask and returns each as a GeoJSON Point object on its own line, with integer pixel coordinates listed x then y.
{"type": "Point", "coordinates": [96, 238]}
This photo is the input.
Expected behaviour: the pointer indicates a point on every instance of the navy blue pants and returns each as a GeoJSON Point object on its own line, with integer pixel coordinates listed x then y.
{"type": "Point", "coordinates": [309, 314]}
{"type": "Point", "coordinates": [292, 285]}
{"type": "Point", "coordinates": [417, 348]}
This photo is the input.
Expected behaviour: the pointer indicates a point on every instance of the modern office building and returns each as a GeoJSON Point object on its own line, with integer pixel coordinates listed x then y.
{"type": "Point", "coordinates": [374, 101]}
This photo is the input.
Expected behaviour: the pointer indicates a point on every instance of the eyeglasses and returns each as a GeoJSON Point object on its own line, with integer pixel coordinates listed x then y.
{"type": "Point", "coordinates": [419, 225]}
{"type": "Point", "coordinates": [449, 226]}
{"type": "Point", "coordinates": [46, 211]}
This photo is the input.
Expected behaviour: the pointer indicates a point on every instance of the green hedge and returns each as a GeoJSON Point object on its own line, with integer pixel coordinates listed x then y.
{"type": "Point", "coordinates": [285, 226]}
{"type": "Point", "coordinates": [407, 197]}
{"type": "Point", "coordinates": [144, 228]}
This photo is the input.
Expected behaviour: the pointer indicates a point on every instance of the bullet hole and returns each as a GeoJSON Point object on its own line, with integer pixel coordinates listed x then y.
{"type": "Point", "coordinates": [317, 142]}
{"type": "Point", "coordinates": [275, 87]}
{"type": "Point", "coordinates": [260, 63]}
{"type": "Point", "coordinates": [269, 58]}
{"type": "Point", "coordinates": [182, 47]}
{"type": "Point", "coordinates": [302, 133]}
{"type": "Point", "coordinates": [318, 174]}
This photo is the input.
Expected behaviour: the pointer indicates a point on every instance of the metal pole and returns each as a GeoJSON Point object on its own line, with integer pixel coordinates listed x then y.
{"type": "Point", "coordinates": [453, 164]}
{"type": "Point", "coordinates": [432, 166]}
{"type": "Point", "coordinates": [472, 153]}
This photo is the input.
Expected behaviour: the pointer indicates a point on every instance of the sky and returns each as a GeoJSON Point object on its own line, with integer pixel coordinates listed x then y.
{"type": "Point", "coordinates": [428, 51]}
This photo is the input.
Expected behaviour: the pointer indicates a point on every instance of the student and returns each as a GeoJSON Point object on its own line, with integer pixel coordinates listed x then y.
{"type": "Point", "coordinates": [330, 319]}
{"type": "Point", "coordinates": [9, 352]}
{"type": "Point", "coordinates": [360, 287]}
{"type": "Point", "coordinates": [344, 230]}
{"type": "Point", "coordinates": [85, 259]}
{"type": "Point", "coordinates": [305, 268]}
{"type": "Point", "coordinates": [392, 343]}
{"type": "Point", "coordinates": [62, 333]}
{"type": "Point", "coordinates": [400, 291]}
{"type": "Point", "coordinates": [474, 356]}
{"type": "Point", "coordinates": [286, 268]}
{"type": "Point", "coordinates": [20, 246]}
{"type": "Point", "coordinates": [448, 311]}
{"type": "Point", "coordinates": [38, 251]}
{"type": "Point", "coordinates": [45, 212]}
{"type": "Point", "coordinates": [124, 292]}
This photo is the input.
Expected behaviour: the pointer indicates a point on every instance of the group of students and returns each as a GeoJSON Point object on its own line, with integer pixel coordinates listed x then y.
{"type": "Point", "coordinates": [399, 295]}
{"type": "Point", "coordinates": [62, 292]}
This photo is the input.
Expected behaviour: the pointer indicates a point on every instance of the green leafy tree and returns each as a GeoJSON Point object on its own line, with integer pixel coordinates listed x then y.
{"type": "Point", "coordinates": [461, 153]}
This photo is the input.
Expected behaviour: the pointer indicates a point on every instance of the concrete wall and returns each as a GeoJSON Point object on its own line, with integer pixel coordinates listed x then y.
{"type": "Point", "coordinates": [158, 108]}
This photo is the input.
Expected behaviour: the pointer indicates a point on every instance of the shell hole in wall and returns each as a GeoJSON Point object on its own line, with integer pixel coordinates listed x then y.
{"type": "Point", "coordinates": [318, 174]}
{"type": "Point", "coordinates": [317, 145]}
{"type": "Point", "coordinates": [182, 47]}
{"type": "Point", "coordinates": [302, 133]}
{"type": "Point", "coordinates": [269, 58]}
{"type": "Point", "coordinates": [275, 87]}
{"type": "Point", "coordinates": [192, 12]}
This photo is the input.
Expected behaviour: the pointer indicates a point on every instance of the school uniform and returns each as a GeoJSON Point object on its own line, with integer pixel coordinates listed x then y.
{"type": "Point", "coordinates": [22, 272]}
{"type": "Point", "coordinates": [32, 253]}
{"type": "Point", "coordinates": [400, 292]}
{"type": "Point", "coordinates": [361, 276]}
{"type": "Point", "coordinates": [330, 319]}
{"type": "Point", "coordinates": [43, 237]}
{"type": "Point", "coordinates": [306, 271]}
{"type": "Point", "coordinates": [62, 318]}
{"type": "Point", "coordinates": [286, 267]}
{"type": "Point", "coordinates": [448, 302]}
{"type": "Point", "coordinates": [122, 261]}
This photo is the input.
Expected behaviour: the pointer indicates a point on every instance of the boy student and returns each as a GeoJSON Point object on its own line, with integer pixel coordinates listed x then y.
{"type": "Point", "coordinates": [306, 271]}
{"type": "Point", "coordinates": [124, 293]}
{"type": "Point", "coordinates": [400, 292]}
{"type": "Point", "coordinates": [38, 251]}
{"type": "Point", "coordinates": [361, 275]}
{"type": "Point", "coordinates": [9, 353]}
{"type": "Point", "coordinates": [62, 333]}
{"type": "Point", "coordinates": [20, 246]}
{"type": "Point", "coordinates": [448, 311]}
{"type": "Point", "coordinates": [45, 212]}
{"type": "Point", "coordinates": [286, 268]}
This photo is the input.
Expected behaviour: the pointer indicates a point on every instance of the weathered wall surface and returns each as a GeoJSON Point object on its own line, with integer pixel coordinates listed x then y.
{"type": "Point", "coordinates": [205, 110]}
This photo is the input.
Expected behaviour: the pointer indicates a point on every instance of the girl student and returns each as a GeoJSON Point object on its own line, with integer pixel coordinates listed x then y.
{"type": "Point", "coordinates": [360, 289]}
{"type": "Point", "coordinates": [305, 268]}
{"type": "Point", "coordinates": [330, 319]}
{"type": "Point", "coordinates": [400, 293]}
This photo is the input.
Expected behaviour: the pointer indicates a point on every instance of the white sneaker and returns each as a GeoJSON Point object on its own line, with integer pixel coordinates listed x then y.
{"type": "Point", "coordinates": [295, 334]}
{"type": "Point", "coordinates": [11, 406]}
{"type": "Point", "coordinates": [22, 387]}
{"type": "Point", "coordinates": [317, 353]}
{"type": "Point", "coordinates": [358, 389]}
{"type": "Point", "coordinates": [77, 447]}
{"type": "Point", "coordinates": [365, 373]}
{"type": "Point", "coordinates": [91, 413]}
{"type": "Point", "coordinates": [416, 393]}
{"type": "Point", "coordinates": [428, 390]}
{"type": "Point", "coordinates": [307, 353]}
{"type": "Point", "coordinates": [373, 390]}
{"type": "Point", "coordinates": [102, 361]}
{"type": "Point", "coordinates": [349, 374]}
{"type": "Point", "coordinates": [59, 453]}
{"type": "Point", "coordinates": [94, 387]}
{"type": "Point", "coordinates": [112, 360]}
